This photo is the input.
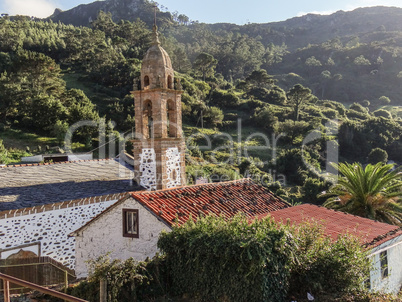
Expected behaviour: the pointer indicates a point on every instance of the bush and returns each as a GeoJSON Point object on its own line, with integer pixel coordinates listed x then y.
{"type": "Point", "coordinates": [359, 108]}
{"type": "Point", "coordinates": [311, 188]}
{"type": "Point", "coordinates": [353, 114]}
{"type": "Point", "coordinates": [321, 265]}
{"type": "Point", "coordinates": [224, 99]}
{"type": "Point", "coordinates": [127, 280]}
{"type": "Point", "coordinates": [383, 113]}
{"type": "Point", "coordinates": [213, 116]}
{"type": "Point", "coordinates": [377, 155]}
{"type": "Point", "coordinates": [329, 113]}
{"type": "Point", "coordinates": [233, 260]}
{"type": "Point", "coordinates": [265, 119]}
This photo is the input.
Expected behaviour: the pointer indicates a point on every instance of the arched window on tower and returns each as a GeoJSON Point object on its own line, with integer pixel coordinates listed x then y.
{"type": "Point", "coordinates": [171, 119]}
{"type": "Point", "coordinates": [170, 82]}
{"type": "Point", "coordinates": [146, 82]}
{"type": "Point", "coordinates": [148, 119]}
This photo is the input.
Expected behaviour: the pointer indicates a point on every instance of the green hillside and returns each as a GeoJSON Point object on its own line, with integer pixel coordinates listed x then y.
{"type": "Point", "coordinates": [253, 93]}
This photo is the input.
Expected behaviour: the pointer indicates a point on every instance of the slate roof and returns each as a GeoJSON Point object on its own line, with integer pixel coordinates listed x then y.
{"type": "Point", "coordinates": [39, 184]}
{"type": "Point", "coordinates": [371, 233]}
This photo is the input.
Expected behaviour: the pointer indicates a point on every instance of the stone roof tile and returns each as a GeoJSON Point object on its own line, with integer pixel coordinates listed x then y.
{"type": "Point", "coordinates": [37, 184]}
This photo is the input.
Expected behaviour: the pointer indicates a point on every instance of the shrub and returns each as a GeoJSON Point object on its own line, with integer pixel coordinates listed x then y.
{"type": "Point", "coordinates": [353, 114]}
{"type": "Point", "coordinates": [213, 116]}
{"type": "Point", "coordinates": [359, 108]}
{"type": "Point", "coordinates": [321, 265]}
{"type": "Point", "coordinates": [265, 118]}
{"type": "Point", "coordinates": [383, 113]}
{"type": "Point", "coordinates": [224, 99]}
{"type": "Point", "coordinates": [329, 113]}
{"type": "Point", "coordinates": [311, 188]}
{"type": "Point", "coordinates": [377, 155]}
{"type": "Point", "coordinates": [234, 260]}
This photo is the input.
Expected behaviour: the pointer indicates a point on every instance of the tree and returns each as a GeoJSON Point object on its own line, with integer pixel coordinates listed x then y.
{"type": "Point", "coordinates": [205, 64]}
{"type": "Point", "coordinates": [373, 192]}
{"type": "Point", "coordinates": [383, 113]}
{"type": "Point", "coordinates": [297, 97]}
{"type": "Point", "coordinates": [260, 78]}
{"type": "Point", "coordinates": [384, 100]}
{"type": "Point", "coordinates": [104, 22]}
{"type": "Point", "coordinates": [313, 62]}
{"type": "Point", "coordinates": [265, 118]}
{"type": "Point", "coordinates": [377, 155]}
{"type": "Point", "coordinates": [59, 131]}
{"type": "Point", "coordinates": [213, 116]}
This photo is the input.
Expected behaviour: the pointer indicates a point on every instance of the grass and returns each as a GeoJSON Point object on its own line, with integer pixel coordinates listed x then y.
{"type": "Point", "coordinates": [75, 80]}
{"type": "Point", "coordinates": [18, 139]}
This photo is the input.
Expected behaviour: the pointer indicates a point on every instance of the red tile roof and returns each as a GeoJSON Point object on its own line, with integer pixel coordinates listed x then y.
{"type": "Point", "coordinates": [372, 233]}
{"type": "Point", "coordinates": [224, 198]}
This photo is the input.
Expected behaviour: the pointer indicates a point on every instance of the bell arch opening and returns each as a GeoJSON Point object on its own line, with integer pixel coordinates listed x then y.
{"type": "Point", "coordinates": [171, 126]}
{"type": "Point", "coordinates": [148, 119]}
{"type": "Point", "coordinates": [146, 82]}
{"type": "Point", "coordinates": [170, 82]}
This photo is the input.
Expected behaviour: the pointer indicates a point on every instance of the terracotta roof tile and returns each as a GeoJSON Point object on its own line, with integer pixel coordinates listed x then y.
{"type": "Point", "coordinates": [372, 233]}
{"type": "Point", "coordinates": [225, 198]}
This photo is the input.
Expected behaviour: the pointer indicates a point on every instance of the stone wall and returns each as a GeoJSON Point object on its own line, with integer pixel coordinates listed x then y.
{"type": "Point", "coordinates": [105, 235]}
{"type": "Point", "coordinates": [50, 226]}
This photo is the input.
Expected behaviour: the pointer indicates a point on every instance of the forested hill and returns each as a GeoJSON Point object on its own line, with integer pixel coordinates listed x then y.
{"type": "Point", "coordinates": [274, 78]}
{"type": "Point", "coordinates": [347, 56]}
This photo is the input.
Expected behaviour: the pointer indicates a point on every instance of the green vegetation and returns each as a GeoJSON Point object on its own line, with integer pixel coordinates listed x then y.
{"type": "Point", "coordinates": [53, 75]}
{"type": "Point", "coordinates": [373, 192]}
{"type": "Point", "coordinates": [217, 260]}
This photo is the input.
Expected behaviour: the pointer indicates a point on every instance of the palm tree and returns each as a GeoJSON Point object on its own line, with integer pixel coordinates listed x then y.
{"type": "Point", "coordinates": [373, 192]}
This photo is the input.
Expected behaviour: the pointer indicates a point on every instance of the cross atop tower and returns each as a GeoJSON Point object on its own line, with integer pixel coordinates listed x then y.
{"type": "Point", "coordinates": [155, 40]}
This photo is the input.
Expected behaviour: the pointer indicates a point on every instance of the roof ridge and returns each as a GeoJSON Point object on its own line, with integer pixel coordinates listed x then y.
{"type": "Point", "coordinates": [55, 163]}
{"type": "Point", "coordinates": [60, 205]}
{"type": "Point", "coordinates": [241, 180]}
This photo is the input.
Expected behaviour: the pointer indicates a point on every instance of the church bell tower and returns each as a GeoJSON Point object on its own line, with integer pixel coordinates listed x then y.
{"type": "Point", "coordinates": [159, 148]}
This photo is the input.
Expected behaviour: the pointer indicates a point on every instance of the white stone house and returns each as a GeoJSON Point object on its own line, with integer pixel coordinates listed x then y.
{"type": "Point", "coordinates": [383, 241]}
{"type": "Point", "coordinates": [40, 204]}
{"type": "Point", "coordinates": [131, 227]}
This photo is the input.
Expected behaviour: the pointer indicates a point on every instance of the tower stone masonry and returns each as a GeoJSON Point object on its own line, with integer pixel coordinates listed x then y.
{"type": "Point", "coordinates": [159, 147]}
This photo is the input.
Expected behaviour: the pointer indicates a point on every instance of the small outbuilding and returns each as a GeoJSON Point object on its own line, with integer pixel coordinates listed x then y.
{"type": "Point", "coordinates": [131, 227]}
{"type": "Point", "coordinates": [383, 241]}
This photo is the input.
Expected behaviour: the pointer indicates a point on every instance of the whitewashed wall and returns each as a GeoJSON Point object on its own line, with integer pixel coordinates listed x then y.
{"type": "Point", "coordinates": [392, 283]}
{"type": "Point", "coordinates": [51, 229]}
{"type": "Point", "coordinates": [105, 235]}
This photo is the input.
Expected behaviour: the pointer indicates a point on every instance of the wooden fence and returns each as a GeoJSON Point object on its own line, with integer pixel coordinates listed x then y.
{"type": "Point", "coordinates": [43, 271]}
{"type": "Point", "coordinates": [9, 279]}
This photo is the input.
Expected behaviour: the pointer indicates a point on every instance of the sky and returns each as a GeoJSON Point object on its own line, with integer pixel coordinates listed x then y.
{"type": "Point", "coordinates": [212, 11]}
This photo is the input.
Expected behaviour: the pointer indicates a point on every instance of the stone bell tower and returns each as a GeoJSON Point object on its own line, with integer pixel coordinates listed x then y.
{"type": "Point", "coordinates": [159, 148]}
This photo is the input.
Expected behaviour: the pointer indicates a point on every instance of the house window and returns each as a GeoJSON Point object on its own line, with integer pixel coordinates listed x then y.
{"type": "Point", "coordinates": [130, 223]}
{"type": "Point", "coordinates": [384, 264]}
{"type": "Point", "coordinates": [367, 283]}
